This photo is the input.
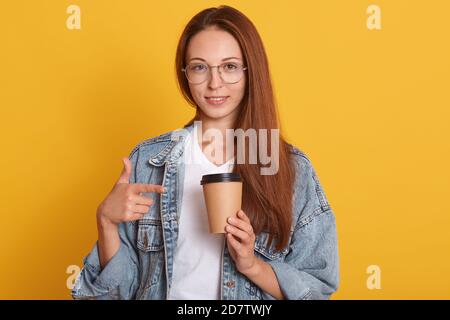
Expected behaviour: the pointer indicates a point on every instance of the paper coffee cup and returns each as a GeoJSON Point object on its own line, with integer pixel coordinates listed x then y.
{"type": "Point", "coordinates": [223, 198]}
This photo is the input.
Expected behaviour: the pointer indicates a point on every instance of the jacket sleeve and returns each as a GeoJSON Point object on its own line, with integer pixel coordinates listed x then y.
{"type": "Point", "coordinates": [311, 267]}
{"type": "Point", "coordinates": [119, 278]}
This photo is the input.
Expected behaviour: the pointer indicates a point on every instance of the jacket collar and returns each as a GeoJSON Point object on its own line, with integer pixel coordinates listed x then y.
{"type": "Point", "coordinates": [175, 147]}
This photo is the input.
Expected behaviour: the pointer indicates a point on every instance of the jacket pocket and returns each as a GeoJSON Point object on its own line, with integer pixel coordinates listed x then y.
{"type": "Point", "coordinates": [150, 237]}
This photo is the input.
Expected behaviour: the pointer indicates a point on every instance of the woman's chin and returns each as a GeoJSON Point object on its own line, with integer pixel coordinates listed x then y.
{"type": "Point", "coordinates": [216, 114]}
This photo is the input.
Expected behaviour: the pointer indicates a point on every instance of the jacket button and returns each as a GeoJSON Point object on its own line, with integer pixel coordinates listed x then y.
{"type": "Point", "coordinates": [230, 284]}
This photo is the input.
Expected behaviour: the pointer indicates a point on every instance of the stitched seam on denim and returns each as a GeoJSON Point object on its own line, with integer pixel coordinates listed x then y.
{"type": "Point", "coordinates": [307, 220]}
{"type": "Point", "coordinates": [268, 255]}
{"type": "Point", "coordinates": [320, 193]}
{"type": "Point", "coordinates": [149, 247]}
{"type": "Point", "coordinates": [150, 141]}
{"type": "Point", "coordinates": [147, 142]}
{"type": "Point", "coordinates": [167, 148]}
{"type": "Point", "coordinates": [77, 287]}
{"type": "Point", "coordinates": [92, 268]}
{"type": "Point", "coordinates": [261, 248]}
{"type": "Point", "coordinates": [307, 295]}
{"type": "Point", "coordinates": [150, 221]}
{"type": "Point", "coordinates": [275, 255]}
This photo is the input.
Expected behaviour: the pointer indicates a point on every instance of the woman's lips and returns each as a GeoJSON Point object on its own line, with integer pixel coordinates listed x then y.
{"type": "Point", "coordinates": [217, 100]}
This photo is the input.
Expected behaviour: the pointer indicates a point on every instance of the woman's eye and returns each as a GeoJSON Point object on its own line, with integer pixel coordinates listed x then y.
{"type": "Point", "coordinates": [198, 67]}
{"type": "Point", "coordinates": [230, 67]}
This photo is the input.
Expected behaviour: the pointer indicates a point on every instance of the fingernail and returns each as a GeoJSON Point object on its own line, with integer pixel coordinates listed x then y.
{"type": "Point", "coordinates": [230, 219]}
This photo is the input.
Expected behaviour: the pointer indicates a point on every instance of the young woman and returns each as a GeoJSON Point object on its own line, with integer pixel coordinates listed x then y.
{"type": "Point", "coordinates": [153, 239]}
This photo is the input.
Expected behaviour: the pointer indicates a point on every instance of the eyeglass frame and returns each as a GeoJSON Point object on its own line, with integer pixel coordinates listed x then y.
{"type": "Point", "coordinates": [210, 72]}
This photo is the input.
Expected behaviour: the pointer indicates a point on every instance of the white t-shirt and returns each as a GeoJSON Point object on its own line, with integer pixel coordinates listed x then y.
{"type": "Point", "coordinates": [197, 259]}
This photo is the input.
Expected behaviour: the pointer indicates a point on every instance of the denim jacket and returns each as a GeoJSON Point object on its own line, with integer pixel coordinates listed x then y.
{"type": "Point", "coordinates": [142, 268]}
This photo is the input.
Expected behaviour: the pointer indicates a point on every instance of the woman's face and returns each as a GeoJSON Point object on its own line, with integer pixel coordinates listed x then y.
{"type": "Point", "coordinates": [214, 47]}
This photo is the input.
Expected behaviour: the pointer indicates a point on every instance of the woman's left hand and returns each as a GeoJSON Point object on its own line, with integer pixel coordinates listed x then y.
{"type": "Point", "coordinates": [241, 242]}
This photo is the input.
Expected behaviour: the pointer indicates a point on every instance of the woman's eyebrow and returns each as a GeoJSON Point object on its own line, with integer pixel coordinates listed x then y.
{"type": "Point", "coordinates": [224, 59]}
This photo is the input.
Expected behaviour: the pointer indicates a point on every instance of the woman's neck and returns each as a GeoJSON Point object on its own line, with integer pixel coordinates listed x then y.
{"type": "Point", "coordinates": [212, 135]}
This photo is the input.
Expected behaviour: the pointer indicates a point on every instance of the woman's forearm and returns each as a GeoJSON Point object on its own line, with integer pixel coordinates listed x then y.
{"type": "Point", "coordinates": [108, 240]}
{"type": "Point", "coordinates": [262, 275]}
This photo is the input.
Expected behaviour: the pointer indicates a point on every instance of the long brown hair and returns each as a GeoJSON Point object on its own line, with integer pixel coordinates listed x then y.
{"type": "Point", "coordinates": [267, 199]}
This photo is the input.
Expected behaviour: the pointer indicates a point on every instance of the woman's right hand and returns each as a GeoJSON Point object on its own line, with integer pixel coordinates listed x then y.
{"type": "Point", "coordinates": [124, 202]}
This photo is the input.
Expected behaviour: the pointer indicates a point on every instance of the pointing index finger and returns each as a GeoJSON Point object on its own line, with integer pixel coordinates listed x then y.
{"type": "Point", "coordinates": [143, 187]}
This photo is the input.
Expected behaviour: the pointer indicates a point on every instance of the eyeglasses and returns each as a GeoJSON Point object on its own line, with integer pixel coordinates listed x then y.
{"type": "Point", "coordinates": [229, 72]}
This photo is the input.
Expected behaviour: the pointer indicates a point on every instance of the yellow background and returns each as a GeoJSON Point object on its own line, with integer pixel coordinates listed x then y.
{"type": "Point", "coordinates": [370, 108]}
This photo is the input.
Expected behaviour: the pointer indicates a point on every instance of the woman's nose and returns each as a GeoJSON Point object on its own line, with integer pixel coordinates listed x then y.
{"type": "Point", "coordinates": [215, 80]}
